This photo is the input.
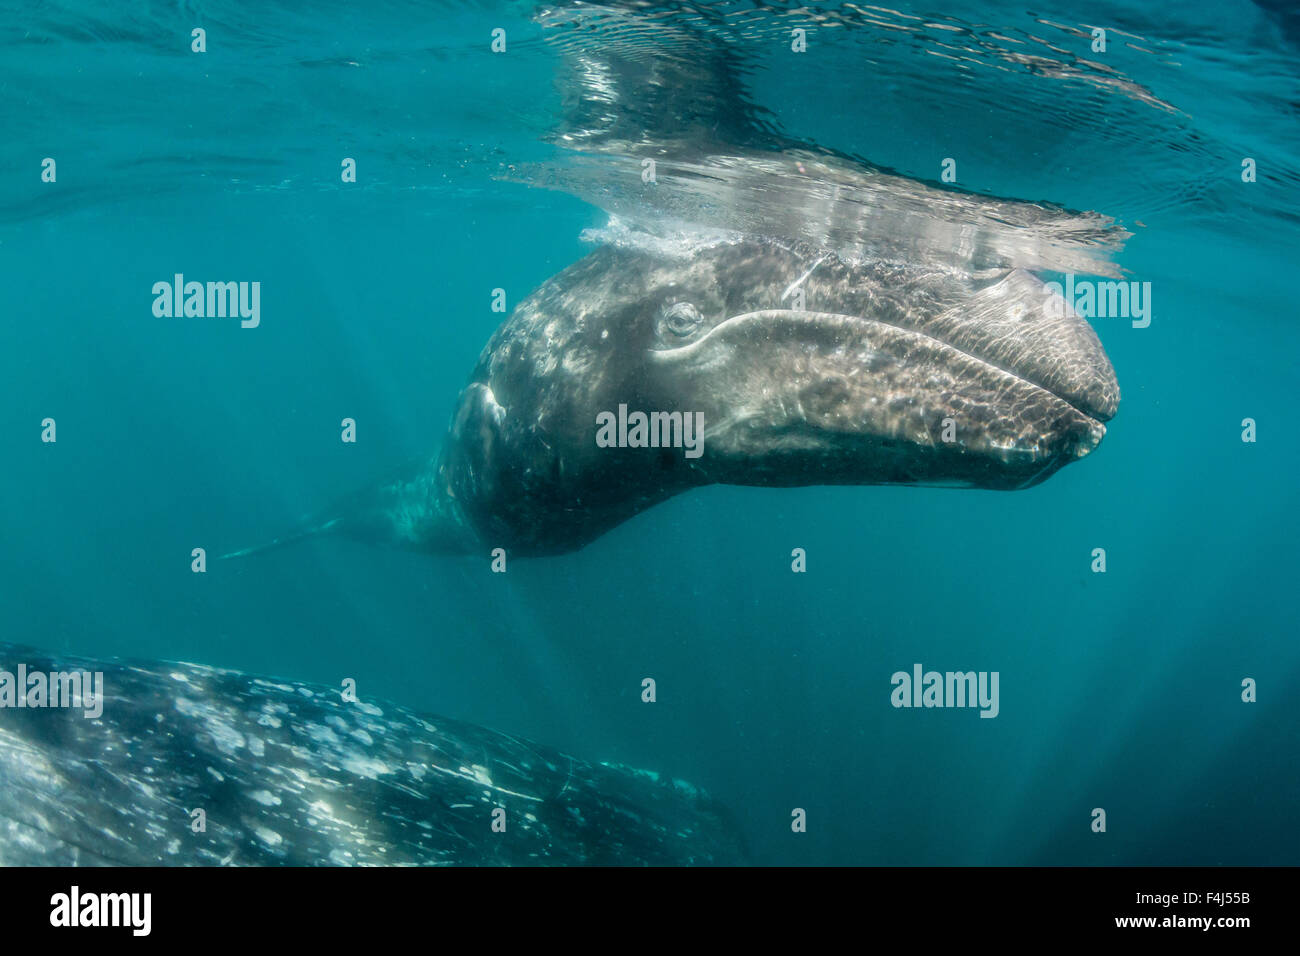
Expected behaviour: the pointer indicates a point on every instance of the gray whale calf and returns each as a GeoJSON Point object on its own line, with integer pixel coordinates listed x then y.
{"type": "Point", "coordinates": [886, 374]}
{"type": "Point", "coordinates": [291, 774]}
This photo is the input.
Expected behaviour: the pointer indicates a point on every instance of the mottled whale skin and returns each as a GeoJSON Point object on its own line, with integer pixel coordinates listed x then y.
{"type": "Point", "coordinates": [290, 774]}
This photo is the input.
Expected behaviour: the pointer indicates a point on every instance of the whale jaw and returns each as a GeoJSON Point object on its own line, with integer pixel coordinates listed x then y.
{"type": "Point", "coordinates": [799, 398]}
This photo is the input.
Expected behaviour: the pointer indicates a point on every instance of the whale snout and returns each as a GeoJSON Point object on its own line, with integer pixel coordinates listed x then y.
{"type": "Point", "coordinates": [998, 393]}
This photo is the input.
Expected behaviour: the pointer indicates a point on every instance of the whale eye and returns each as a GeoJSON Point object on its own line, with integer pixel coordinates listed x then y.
{"type": "Point", "coordinates": [682, 318]}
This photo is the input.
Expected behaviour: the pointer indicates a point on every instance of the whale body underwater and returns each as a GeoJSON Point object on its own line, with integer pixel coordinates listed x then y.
{"type": "Point", "coordinates": [885, 373]}
{"type": "Point", "coordinates": [286, 773]}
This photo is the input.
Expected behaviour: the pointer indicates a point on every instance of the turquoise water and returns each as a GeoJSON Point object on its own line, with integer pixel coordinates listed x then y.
{"type": "Point", "coordinates": [1118, 690]}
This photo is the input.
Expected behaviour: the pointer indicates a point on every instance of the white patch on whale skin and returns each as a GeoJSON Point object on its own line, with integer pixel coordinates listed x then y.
{"type": "Point", "coordinates": [226, 737]}
{"type": "Point", "coordinates": [223, 732]}
{"type": "Point", "coordinates": [258, 682]}
{"type": "Point", "coordinates": [269, 837]}
{"type": "Point", "coordinates": [146, 789]}
{"type": "Point", "coordinates": [323, 735]}
{"type": "Point", "coordinates": [265, 797]}
{"type": "Point", "coordinates": [270, 714]}
{"type": "Point", "coordinates": [365, 766]}
{"type": "Point", "coordinates": [29, 762]}
{"type": "Point", "coordinates": [492, 407]}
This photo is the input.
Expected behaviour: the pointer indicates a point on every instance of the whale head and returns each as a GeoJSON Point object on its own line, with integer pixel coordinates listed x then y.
{"type": "Point", "coordinates": [803, 369]}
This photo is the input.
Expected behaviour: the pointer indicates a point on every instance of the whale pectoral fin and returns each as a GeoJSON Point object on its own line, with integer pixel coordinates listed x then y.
{"type": "Point", "coordinates": [411, 509]}
{"type": "Point", "coordinates": [304, 531]}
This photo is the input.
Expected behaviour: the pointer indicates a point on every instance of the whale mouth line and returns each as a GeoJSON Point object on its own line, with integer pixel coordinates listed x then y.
{"type": "Point", "coordinates": [857, 323]}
